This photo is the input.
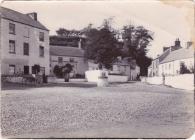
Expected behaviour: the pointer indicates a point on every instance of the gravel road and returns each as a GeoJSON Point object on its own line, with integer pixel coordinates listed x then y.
{"type": "Point", "coordinates": [131, 110]}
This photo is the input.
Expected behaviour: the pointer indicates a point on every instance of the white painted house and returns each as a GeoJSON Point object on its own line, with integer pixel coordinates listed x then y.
{"type": "Point", "coordinates": [172, 63]}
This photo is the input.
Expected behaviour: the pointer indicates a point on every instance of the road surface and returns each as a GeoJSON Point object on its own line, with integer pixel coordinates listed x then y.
{"type": "Point", "coordinates": [81, 110]}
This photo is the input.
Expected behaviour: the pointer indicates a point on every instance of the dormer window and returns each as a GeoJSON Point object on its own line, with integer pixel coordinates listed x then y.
{"type": "Point", "coordinates": [12, 28]}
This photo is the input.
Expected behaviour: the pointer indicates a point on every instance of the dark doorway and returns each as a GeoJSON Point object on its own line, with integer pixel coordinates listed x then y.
{"type": "Point", "coordinates": [26, 69]}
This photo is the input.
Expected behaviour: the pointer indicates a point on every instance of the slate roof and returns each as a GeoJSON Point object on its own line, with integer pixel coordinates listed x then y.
{"type": "Point", "coordinates": [20, 18]}
{"type": "Point", "coordinates": [179, 54]}
{"type": "Point", "coordinates": [164, 55]}
{"type": "Point", "coordinates": [66, 51]}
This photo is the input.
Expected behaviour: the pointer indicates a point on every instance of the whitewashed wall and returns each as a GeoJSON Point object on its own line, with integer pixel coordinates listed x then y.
{"type": "Point", "coordinates": [173, 67]}
{"type": "Point", "coordinates": [184, 81]}
{"type": "Point", "coordinates": [92, 76]}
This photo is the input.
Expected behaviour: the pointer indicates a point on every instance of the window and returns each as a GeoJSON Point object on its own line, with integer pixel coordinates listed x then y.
{"type": "Point", "coordinates": [71, 59]}
{"type": "Point", "coordinates": [12, 46]}
{"type": "Point", "coordinates": [12, 28]}
{"type": "Point", "coordinates": [41, 51]}
{"type": "Point", "coordinates": [60, 59]}
{"type": "Point", "coordinates": [33, 70]}
{"type": "Point", "coordinates": [41, 36]}
{"type": "Point", "coordinates": [26, 69]}
{"type": "Point", "coordinates": [26, 32]}
{"type": "Point", "coordinates": [26, 48]}
{"type": "Point", "coordinates": [11, 69]}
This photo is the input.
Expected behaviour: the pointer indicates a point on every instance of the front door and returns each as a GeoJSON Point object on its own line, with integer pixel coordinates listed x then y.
{"type": "Point", "coordinates": [26, 70]}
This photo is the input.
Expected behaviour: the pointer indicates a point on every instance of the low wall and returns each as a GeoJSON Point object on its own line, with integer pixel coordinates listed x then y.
{"type": "Point", "coordinates": [117, 78]}
{"type": "Point", "coordinates": [92, 76]}
{"type": "Point", "coordinates": [23, 79]}
{"type": "Point", "coordinates": [184, 81]}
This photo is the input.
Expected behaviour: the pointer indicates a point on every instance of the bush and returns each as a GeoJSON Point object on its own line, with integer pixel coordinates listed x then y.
{"type": "Point", "coordinates": [184, 69]}
{"type": "Point", "coordinates": [58, 71]}
{"type": "Point", "coordinates": [79, 76]}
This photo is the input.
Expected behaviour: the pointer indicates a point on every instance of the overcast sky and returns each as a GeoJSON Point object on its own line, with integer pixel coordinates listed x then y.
{"type": "Point", "coordinates": [168, 22]}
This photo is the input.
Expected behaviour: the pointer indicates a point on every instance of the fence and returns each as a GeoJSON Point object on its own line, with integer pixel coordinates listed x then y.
{"type": "Point", "coordinates": [184, 81]}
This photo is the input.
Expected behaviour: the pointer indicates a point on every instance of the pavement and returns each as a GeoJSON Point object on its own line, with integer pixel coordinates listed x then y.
{"type": "Point", "coordinates": [82, 110]}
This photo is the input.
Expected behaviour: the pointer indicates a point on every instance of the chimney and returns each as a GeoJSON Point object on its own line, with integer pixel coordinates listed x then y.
{"type": "Point", "coordinates": [79, 43]}
{"type": "Point", "coordinates": [33, 15]}
{"type": "Point", "coordinates": [189, 44]}
{"type": "Point", "coordinates": [177, 42]}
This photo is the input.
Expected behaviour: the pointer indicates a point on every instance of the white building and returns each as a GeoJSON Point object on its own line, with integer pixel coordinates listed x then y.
{"type": "Point", "coordinates": [24, 43]}
{"type": "Point", "coordinates": [121, 67]}
{"type": "Point", "coordinates": [172, 63]}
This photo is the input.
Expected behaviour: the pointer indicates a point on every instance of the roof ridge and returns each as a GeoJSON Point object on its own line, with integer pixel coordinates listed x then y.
{"type": "Point", "coordinates": [19, 17]}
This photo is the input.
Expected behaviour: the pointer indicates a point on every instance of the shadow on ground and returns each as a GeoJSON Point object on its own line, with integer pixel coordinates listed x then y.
{"type": "Point", "coordinates": [17, 86]}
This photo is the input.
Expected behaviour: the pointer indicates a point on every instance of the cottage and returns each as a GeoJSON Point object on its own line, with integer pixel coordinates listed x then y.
{"type": "Point", "coordinates": [61, 55]}
{"type": "Point", "coordinates": [172, 59]}
{"type": "Point", "coordinates": [24, 43]}
{"type": "Point", "coordinates": [172, 64]}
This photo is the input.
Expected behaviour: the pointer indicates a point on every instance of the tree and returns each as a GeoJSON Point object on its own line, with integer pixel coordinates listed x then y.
{"type": "Point", "coordinates": [136, 41]}
{"type": "Point", "coordinates": [101, 46]}
{"type": "Point", "coordinates": [67, 33]}
{"type": "Point", "coordinates": [57, 71]}
{"type": "Point", "coordinates": [184, 69]}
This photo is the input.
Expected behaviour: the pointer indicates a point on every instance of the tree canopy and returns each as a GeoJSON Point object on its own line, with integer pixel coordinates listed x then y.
{"type": "Point", "coordinates": [136, 41]}
{"type": "Point", "coordinates": [104, 44]}
{"type": "Point", "coordinates": [101, 46]}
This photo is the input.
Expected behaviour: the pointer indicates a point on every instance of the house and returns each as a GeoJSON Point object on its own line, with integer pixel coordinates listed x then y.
{"type": "Point", "coordinates": [120, 67]}
{"type": "Point", "coordinates": [171, 65]}
{"type": "Point", "coordinates": [24, 43]}
{"type": "Point", "coordinates": [153, 69]}
{"type": "Point", "coordinates": [170, 61]}
{"type": "Point", "coordinates": [61, 55]}
{"type": "Point", "coordinates": [123, 67]}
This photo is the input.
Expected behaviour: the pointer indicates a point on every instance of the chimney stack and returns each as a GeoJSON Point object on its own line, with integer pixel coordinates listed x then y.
{"type": "Point", "coordinates": [189, 44]}
{"type": "Point", "coordinates": [177, 42]}
{"type": "Point", "coordinates": [33, 15]}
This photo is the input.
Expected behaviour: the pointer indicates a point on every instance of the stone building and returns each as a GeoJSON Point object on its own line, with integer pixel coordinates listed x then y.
{"type": "Point", "coordinates": [61, 54]}
{"type": "Point", "coordinates": [24, 43]}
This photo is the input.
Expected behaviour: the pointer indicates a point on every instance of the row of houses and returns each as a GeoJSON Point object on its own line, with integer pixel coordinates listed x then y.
{"type": "Point", "coordinates": [25, 42]}
{"type": "Point", "coordinates": [173, 60]}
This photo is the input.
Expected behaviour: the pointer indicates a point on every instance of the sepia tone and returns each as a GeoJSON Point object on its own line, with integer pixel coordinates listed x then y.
{"type": "Point", "coordinates": [97, 69]}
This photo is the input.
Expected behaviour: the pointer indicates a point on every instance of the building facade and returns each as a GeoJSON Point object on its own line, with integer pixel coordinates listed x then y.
{"type": "Point", "coordinates": [170, 61]}
{"type": "Point", "coordinates": [172, 64]}
{"type": "Point", "coordinates": [120, 67]}
{"type": "Point", "coordinates": [62, 55]}
{"type": "Point", "coordinates": [24, 43]}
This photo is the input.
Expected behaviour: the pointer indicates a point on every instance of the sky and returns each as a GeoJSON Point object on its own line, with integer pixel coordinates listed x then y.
{"type": "Point", "coordinates": [167, 21]}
